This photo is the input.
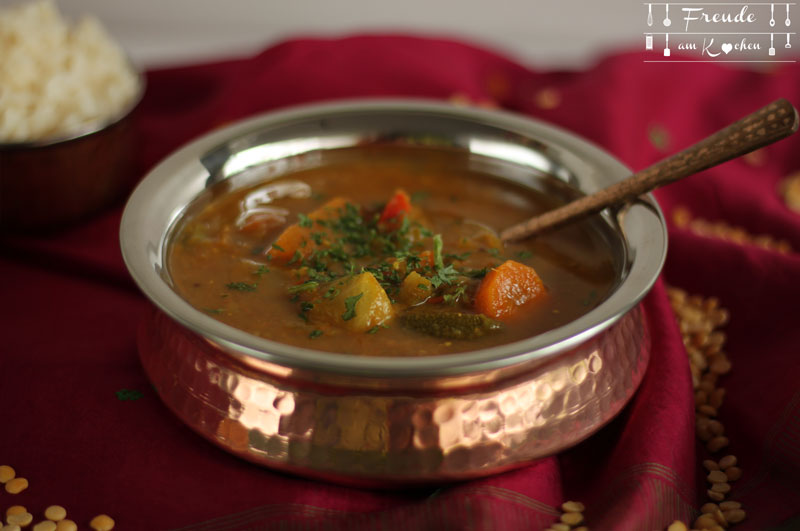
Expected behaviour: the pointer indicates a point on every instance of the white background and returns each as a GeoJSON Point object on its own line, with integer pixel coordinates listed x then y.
{"type": "Point", "coordinates": [547, 33]}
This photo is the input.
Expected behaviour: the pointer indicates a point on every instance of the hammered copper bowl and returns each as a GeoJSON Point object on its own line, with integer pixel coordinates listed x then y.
{"type": "Point", "coordinates": [50, 183]}
{"type": "Point", "coordinates": [378, 420]}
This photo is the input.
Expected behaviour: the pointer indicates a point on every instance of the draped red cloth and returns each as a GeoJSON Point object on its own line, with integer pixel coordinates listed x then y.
{"type": "Point", "coordinates": [81, 422]}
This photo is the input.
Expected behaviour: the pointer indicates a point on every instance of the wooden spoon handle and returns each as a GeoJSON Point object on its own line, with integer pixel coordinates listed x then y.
{"type": "Point", "coordinates": [765, 126]}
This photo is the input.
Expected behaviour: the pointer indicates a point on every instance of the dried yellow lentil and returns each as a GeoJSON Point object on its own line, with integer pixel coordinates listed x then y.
{"type": "Point", "coordinates": [677, 525]}
{"type": "Point", "coordinates": [102, 522]}
{"type": "Point", "coordinates": [560, 526]}
{"type": "Point", "coordinates": [46, 525]}
{"type": "Point", "coordinates": [16, 485]}
{"type": "Point", "coordinates": [717, 476]}
{"type": "Point", "coordinates": [21, 519]}
{"type": "Point", "coordinates": [727, 461]}
{"type": "Point", "coordinates": [717, 443]}
{"type": "Point", "coordinates": [572, 518]}
{"type": "Point", "coordinates": [734, 516]}
{"type": "Point", "coordinates": [730, 505]}
{"type": "Point", "coordinates": [705, 521]}
{"type": "Point", "coordinates": [66, 525]}
{"type": "Point", "coordinates": [724, 488]}
{"type": "Point", "coordinates": [709, 508]}
{"type": "Point", "coordinates": [16, 509]}
{"type": "Point", "coordinates": [7, 473]}
{"type": "Point", "coordinates": [573, 507]}
{"type": "Point", "coordinates": [55, 513]}
{"type": "Point", "coordinates": [733, 473]}
{"type": "Point", "coordinates": [710, 465]}
{"type": "Point", "coordinates": [716, 496]}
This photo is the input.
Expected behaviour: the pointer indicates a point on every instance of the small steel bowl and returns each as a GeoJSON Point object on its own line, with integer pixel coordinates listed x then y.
{"type": "Point", "coordinates": [378, 420]}
{"type": "Point", "coordinates": [50, 183]}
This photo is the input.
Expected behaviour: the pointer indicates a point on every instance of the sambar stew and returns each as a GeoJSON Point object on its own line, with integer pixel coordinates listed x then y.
{"type": "Point", "coordinates": [382, 251]}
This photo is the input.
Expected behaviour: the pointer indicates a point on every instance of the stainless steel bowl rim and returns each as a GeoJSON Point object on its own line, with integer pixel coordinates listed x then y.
{"type": "Point", "coordinates": [143, 250]}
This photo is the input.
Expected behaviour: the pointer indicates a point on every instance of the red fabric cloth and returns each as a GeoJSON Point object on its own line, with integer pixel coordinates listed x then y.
{"type": "Point", "coordinates": [81, 422]}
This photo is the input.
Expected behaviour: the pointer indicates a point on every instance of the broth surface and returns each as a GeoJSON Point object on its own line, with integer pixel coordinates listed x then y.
{"type": "Point", "coordinates": [222, 261]}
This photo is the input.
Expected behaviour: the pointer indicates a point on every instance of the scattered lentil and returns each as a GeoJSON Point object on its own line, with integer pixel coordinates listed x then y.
{"type": "Point", "coordinates": [560, 526]}
{"type": "Point", "coordinates": [716, 496]}
{"type": "Point", "coordinates": [16, 509]}
{"type": "Point", "coordinates": [55, 513]}
{"type": "Point", "coordinates": [730, 505]}
{"type": "Point", "coordinates": [727, 461]}
{"type": "Point", "coordinates": [21, 519]}
{"type": "Point", "coordinates": [733, 473]}
{"type": "Point", "coordinates": [6, 473]}
{"type": "Point", "coordinates": [572, 518]}
{"type": "Point", "coordinates": [709, 508]}
{"type": "Point", "coordinates": [724, 488]}
{"type": "Point", "coordinates": [710, 465]}
{"type": "Point", "coordinates": [66, 525]}
{"type": "Point", "coordinates": [717, 476]}
{"type": "Point", "coordinates": [46, 525]}
{"type": "Point", "coordinates": [705, 521]}
{"type": "Point", "coordinates": [734, 516]}
{"type": "Point", "coordinates": [677, 525]}
{"type": "Point", "coordinates": [11, 527]}
{"type": "Point", "coordinates": [572, 507]}
{"type": "Point", "coordinates": [16, 485]}
{"type": "Point", "coordinates": [102, 522]}
{"type": "Point", "coordinates": [717, 443]}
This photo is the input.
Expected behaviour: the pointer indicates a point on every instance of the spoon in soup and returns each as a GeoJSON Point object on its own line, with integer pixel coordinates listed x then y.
{"type": "Point", "coordinates": [769, 124]}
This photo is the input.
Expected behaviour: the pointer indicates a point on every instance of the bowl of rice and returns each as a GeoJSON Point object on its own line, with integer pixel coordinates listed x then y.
{"type": "Point", "coordinates": [67, 95]}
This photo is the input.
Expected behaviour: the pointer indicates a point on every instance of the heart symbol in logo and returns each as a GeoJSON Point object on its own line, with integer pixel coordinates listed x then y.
{"type": "Point", "coordinates": [727, 47]}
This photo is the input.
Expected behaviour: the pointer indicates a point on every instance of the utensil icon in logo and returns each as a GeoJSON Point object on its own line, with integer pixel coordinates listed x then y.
{"type": "Point", "coordinates": [772, 15]}
{"type": "Point", "coordinates": [650, 13]}
{"type": "Point", "coordinates": [771, 45]}
{"type": "Point", "coordinates": [648, 42]}
{"type": "Point", "coordinates": [788, 22]}
{"type": "Point", "coordinates": [666, 45]}
{"type": "Point", "coordinates": [788, 45]}
{"type": "Point", "coordinates": [667, 21]}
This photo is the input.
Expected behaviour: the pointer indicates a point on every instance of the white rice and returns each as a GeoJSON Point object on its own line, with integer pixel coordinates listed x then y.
{"type": "Point", "coordinates": [58, 79]}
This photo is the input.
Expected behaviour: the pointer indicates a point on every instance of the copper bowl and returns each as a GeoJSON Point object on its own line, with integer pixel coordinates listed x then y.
{"type": "Point", "coordinates": [50, 183]}
{"type": "Point", "coordinates": [379, 420]}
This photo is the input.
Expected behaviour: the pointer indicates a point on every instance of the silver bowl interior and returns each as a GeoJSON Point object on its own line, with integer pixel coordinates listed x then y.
{"type": "Point", "coordinates": [523, 150]}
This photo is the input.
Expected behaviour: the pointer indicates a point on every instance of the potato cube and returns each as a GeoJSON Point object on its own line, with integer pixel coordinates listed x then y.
{"type": "Point", "coordinates": [415, 289]}
{"type": "Point", "coordinates": [359, 304]}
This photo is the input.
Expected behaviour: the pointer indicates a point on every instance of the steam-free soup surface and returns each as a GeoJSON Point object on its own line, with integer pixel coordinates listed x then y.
{"type": "Point", "coordinates": [386, 251]}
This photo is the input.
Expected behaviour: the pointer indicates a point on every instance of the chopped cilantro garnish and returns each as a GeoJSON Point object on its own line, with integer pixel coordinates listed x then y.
{"type": "Point", "coordinates": [493, 251]}
{"type": "Point", "coordinates": [261, 270]}
{"type": "Point", "coordinates": [278, 248]}
{"type": "Point", "coordinates": [522, 255]}
{"type": "Point", "coordinates": [241, 286]}
{"type": "Point", "coordinates": [213, 311]}
{"type": "Point", "coordinates": [311, 285]}
{"type": "Point", "coordinates": [304, 221]}
{"type": "Point", "coordinates": [315, 334]}
{"type": "Point", "coordinates": [350, 306]}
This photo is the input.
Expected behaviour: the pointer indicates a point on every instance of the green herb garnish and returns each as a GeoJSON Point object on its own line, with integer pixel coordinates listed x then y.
{"type": "Point", "coordinates": [350, 306]}
{"type": "Point", "coordinates": [315, 334]}
{"type": "Point", "coordinates": [241, 286]}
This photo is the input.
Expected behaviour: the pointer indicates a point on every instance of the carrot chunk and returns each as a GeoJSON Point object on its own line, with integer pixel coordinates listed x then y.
{"type": "Point", "coordinates": [507, 288]}
{"type": "Point", "coordinates": [395, 210]}
{"type": "Point", "coordinates": [291, 240]}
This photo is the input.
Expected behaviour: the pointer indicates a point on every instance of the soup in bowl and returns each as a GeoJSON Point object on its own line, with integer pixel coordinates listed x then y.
{"type": "Point", "coordinates": [333, 298]}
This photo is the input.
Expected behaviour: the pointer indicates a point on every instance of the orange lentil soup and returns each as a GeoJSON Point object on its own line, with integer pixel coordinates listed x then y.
{"type": "Point", "coordinates": [382, 251]}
